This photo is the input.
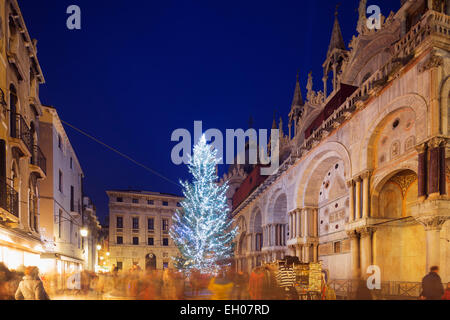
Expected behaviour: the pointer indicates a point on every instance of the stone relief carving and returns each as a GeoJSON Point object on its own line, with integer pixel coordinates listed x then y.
{"type": "Point", "coordinates": [337, 216]}
{"type": "Point", "coordinates": [313, 97]}
{"type": "Point", "coordinates": [395, 149]}
{"type": "Point", "coordinates": [432, 222]}
{"type": "Point", "coordinates": [433, 61]}
{"type": "Point", "coordinates": [410, 143]}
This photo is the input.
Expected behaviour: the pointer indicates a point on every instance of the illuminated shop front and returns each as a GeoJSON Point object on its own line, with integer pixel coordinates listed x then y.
{"type": "Point", "coordinates": [18, 251]}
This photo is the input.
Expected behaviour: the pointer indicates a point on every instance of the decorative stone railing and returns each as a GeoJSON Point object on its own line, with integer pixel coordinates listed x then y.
{"type": "Point", "coordinates": [402, 53]}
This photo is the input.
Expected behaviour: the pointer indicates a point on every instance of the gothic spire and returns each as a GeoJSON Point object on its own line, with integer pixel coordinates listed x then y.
{"type": "Point", "coordinates": [362, 19]}
{"type": "Point", "coordinates": [298, 99]}
{"type": "Point", "coordinates": [281, 127]}
{"type": "Point", "coordinates": [274, 124]}
{"type": "Point", "coordinates": [337, 41]}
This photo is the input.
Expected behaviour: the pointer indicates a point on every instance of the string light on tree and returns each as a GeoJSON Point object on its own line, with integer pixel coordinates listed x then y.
{"type": "Point", "coordinates": [203, 231]}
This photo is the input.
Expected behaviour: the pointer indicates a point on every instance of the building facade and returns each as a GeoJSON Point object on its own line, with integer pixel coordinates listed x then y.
{"type": "Point", "coordinates": [366, 176]}
{"type": "Point", "coordinates": [61, 199]}
{"type": "Point", "coordinates": [93, 238]}
{"type": "Point", "coordinates": [139, 224]}
{"type": "Point", "coordinates": [22, 163]}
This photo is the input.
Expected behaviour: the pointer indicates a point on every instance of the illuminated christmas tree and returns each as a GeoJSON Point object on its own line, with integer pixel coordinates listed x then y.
{"type": "Point", "coordinates": [203, 231]}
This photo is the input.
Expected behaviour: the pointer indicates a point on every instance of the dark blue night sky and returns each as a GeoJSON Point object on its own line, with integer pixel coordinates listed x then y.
{"type": "Point", "coordinates": [140, 69]}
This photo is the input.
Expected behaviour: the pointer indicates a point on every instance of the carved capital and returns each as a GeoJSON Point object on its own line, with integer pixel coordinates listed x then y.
{"type": "Point", "coordinates": [433, 61]}
{"type": "Point", "coordinates": [366, 174]}
{"type": "Point", "coordinates": [352, 234]}
{"type": "Point", "coordinates": [350, 183]}
{"type": "Point", "coordinates": [421, 148]}
{"type": "Point", "coordinates": [366, 231]}
{"type": "Point", "coordinates": [436, 142]}
{"type": "Point", "coordinates": [432, 222]}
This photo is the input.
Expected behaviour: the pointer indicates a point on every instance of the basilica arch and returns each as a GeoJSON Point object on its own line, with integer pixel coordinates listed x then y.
{"type": "Point", "coordinates": [322, 208]}
{"type": "Point", "coordinates": [408, 103]}
{"type": "Point", "coordinates": [256, 237]}
{"type": "Point", "coordinates": [398, 242]}
{"type": "Point", "coordinates": [276, 226]}
{"type": "Point", "coordinates": [317, 164]}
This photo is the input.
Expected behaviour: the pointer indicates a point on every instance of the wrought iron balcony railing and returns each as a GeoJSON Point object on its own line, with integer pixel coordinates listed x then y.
{"type": "Point", "coordinates": [38, 159]}
{"type": "Point", "coordinates": [20, 130]}
{"type": "Point", "coordinates": [9, 199]}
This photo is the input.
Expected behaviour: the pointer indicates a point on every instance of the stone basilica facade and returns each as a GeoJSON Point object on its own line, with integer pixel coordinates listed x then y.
{"type": "Point", "coordinates": [366, 163]}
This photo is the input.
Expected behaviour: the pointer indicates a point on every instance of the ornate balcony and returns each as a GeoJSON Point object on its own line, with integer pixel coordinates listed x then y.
{"type": "Point", "coordinates": [20, 135]}
{"type": "Point", "coordinates": [9, 203]}
{"type": "Point", "coordinates": [38, 162]}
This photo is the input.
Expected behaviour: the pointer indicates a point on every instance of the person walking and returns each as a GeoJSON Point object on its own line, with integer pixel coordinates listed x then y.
{"type": "Point", "coordinates": [432, 288]}
{"type": "Point", "coordinates": [255, 285]}
{"type": "Point", "coordinates": [286, 280]}
{"type": "Point", "coordinates": [31, 287]}
{"type": "Point", "coordinates": [6, 277]}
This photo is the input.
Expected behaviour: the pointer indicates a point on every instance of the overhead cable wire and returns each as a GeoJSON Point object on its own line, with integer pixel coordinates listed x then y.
{"type": "Point", "coordinates": [120, 153]}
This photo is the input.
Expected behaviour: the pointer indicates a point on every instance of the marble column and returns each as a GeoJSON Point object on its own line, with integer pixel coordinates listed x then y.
{"type": "Point", "coordinates": [351, 187]}
{"type": "Point", "coordinates": [298, 225]}
{"type": "Point", "coordinates": [433, 168]}
{"type": "Point", "coordinates": [291, 225]}
{"type": "Point", "coordinates": [442, 168]}
{"type": "Point", "coordinates": [354, 249]}
{"type": "Point", "coordinates": [306, 223]}
{"type": "Point", "coordinates": [276, 235]}
{"type": "Point", "coordinates": [266, 236]}
{"type": "Point", "coordinates": [306, 249]}
{"type": "Point", "coordinates": [422, 171]}
{"type": "Point", "coordinates": [316, 223]}
{"type": "Point", "coordinates": [366, 249]}
{"type": "Point", "coordinates": [433, 226]}
{"type": "Point", "coordinates": [293, 251]}
{"type": "Point", "coordinates": [358, 199]}
{"type": "Point", "coordinates": [366, 196]}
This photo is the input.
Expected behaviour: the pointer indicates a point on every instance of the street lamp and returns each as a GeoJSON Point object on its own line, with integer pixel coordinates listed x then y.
{"type": "Point", "coordinates": [84, 232]}
{"type": "Point", "coordinates": [99, 247]}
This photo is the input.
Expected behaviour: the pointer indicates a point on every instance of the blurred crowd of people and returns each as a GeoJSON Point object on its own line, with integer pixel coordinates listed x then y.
{"type": "Point", "coordinates": [263, 283]}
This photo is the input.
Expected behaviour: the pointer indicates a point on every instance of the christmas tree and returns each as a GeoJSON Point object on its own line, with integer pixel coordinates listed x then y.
{"type": "Point", "coordinates": [203, 231]}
